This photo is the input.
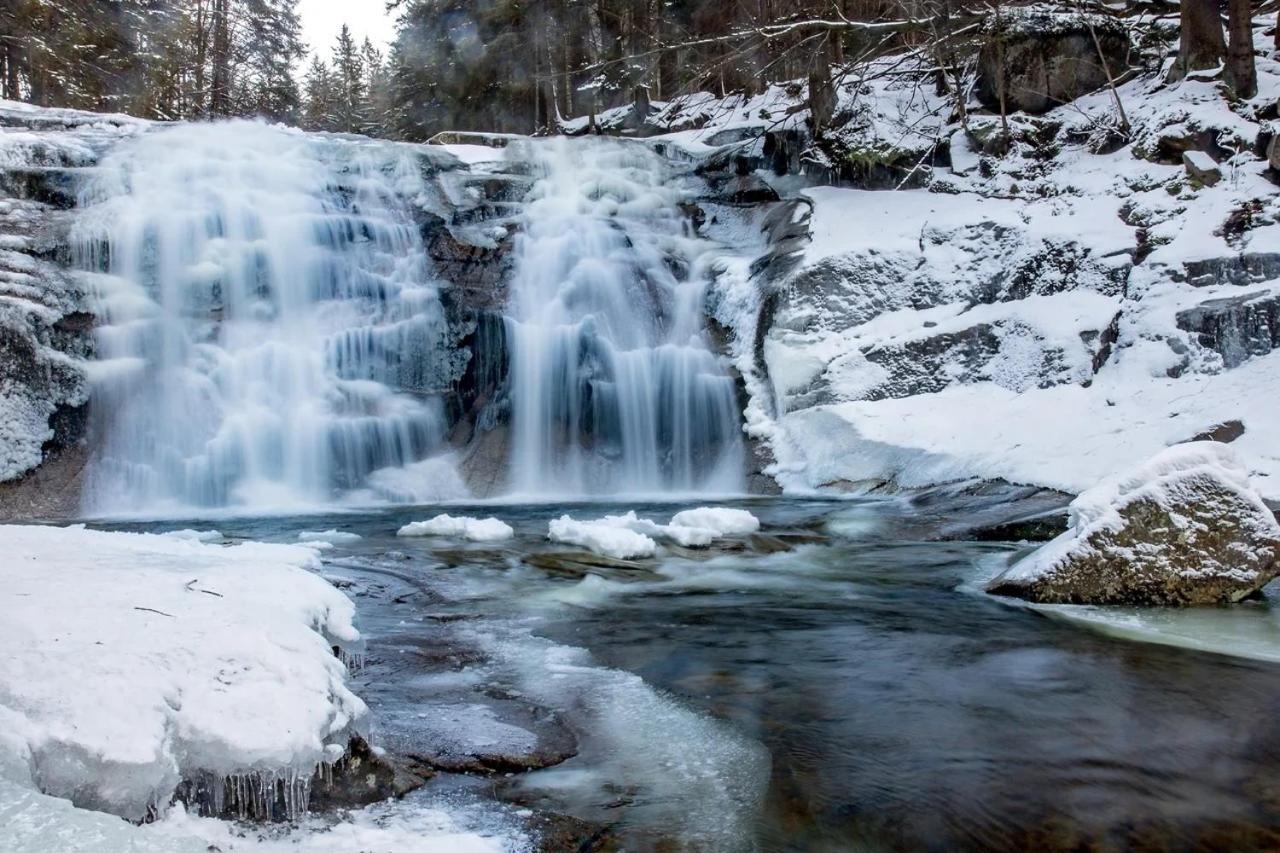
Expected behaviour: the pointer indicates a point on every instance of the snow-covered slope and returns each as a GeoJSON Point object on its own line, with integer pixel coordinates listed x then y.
{"type": "Point", "coordinates": [1045, 315]}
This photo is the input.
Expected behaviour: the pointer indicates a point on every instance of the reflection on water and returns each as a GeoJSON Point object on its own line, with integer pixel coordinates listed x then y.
{"type": "Point", "coordinates": [894, 707]}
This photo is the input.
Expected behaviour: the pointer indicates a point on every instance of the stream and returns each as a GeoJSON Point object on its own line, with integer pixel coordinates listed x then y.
{"type": "Point", "coordinates": [837, 682]}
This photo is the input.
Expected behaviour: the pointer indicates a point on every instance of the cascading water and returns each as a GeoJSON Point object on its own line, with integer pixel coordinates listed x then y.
{"type": "Point", "coordinates": [613, 386]}
{"type": "Point", "coordinates": [268, 317]}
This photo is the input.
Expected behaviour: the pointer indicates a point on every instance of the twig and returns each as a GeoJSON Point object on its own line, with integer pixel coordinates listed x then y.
{"type": "Point", "coordinates": [153, 610]}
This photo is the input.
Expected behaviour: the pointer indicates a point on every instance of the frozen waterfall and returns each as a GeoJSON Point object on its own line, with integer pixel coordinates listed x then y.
{"type": "Point", "coordinates": [613, 386]}
{"type": "Point", "coordinates": [266, 318]}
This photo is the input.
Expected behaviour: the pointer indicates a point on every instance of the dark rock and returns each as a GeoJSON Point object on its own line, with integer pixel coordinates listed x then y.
{"type": "Point", "coordinates": [1048, 58]}
{"type": "Point", "coordinates": [361, 777]}
{"type": "Point", "coordinates": [1236, 327]}
{"type": "Point", "coordinates": [357, 779]}
{"type": "Point", "coordinates": [1245, 268]}
{"type": "Point", "coordinates": [1225, 432]}
{"type": "Point", "coordinates": [1273, 153]}
{"type": "Point", "coordinates": [1035, 528]}
{"type": "Point", "coordinates": [579, 564]}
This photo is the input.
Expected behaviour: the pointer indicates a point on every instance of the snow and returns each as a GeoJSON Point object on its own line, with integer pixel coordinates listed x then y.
{"type": "Point", "coordinates": [722, 521]}
{"type": "Point", "coordinates": [460, 527]}
{"type": "Point", "coordinates": [627, 536]}
{"type": "Point", "coordinates": [134, 661]}
{"type": "Point", "coordinates": [866, 373]}
{"type": "Point", "coordinates": [37, 823]}
{"type": "Point", "coordinates": [603, 536]}
{"type": "Point", "coordinates": [1169, 479]}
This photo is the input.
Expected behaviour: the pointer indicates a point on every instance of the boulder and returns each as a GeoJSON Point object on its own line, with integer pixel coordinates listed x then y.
{"type": "Point", "coordinates": [1202, 170]}
{"type": "Point", "coordinates": [1185, 528]}
{"type": "Point", "coordinates": [1046, 58]}
{"type": "Point", "coordinates": [1273, 153]}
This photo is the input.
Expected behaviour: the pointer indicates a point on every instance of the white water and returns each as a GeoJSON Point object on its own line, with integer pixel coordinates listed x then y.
{"type": "Point", "coordinates": [269, 318]}
{"type": "Point", "coordinates": [613, 386]}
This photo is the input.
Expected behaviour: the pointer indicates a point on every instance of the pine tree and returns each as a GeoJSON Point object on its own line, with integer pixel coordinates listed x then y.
{"type": "Point", "coordinates": [351, 104]}
{"type": "Point", "coordinates": [321, 95]}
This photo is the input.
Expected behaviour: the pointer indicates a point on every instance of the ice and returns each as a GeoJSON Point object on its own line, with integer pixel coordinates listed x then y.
{"type": "Point", "coordinates": [135, 661]}
{"type": "Point", "coordinates": [628, 535]}
{"type": "Point", "coordinates": [194, 535]}
{"type": "Point", "coordinates": [607, 336]}
{"type": "Point", "coordinates": [276, 289]}
{"type": "Point", "coordinates": [722, 521]}
{"type": "Point", "coordinates": [603, 536]}
{"type": "Point", "coordinates": [332, 537]}
{"type": "Point", "coordinates": [460, 527]}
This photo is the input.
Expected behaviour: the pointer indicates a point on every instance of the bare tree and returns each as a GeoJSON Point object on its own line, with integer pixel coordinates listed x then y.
{"type": "Point", "coordinates": [1241, 74]}
{"type": "Point", "coordinates": [1201, 44]}
{"type": "Point", "coordinates": [220, 91]}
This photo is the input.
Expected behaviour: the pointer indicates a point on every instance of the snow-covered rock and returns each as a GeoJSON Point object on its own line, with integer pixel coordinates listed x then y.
{"type": "Point", "coordinates": [721, 521]}
{"type": "Point", "coordinates": [628, 535]}
{"type": "Point", "coordinates": [460, 527]}
{"type": "Point", "coordinates": [136, 661]}
{"type": "Point", "coordinates": [1184, 528]}
{"type": "Point", "coordinates": [603, 536]}
{"type": "Point", "coordinates": [1044, 313]}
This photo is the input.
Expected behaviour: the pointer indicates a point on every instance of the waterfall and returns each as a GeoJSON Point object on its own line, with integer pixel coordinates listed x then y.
{"type": "Point", "coordinates": [266, 318]}
{"type": "Point", "coordinates": [613, 386]}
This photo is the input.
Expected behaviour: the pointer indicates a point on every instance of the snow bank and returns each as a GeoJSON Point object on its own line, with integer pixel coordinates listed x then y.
{"type": "Point", "coordinates": [135, 660]}
{"type": "Point", "coordinates": [461, 527]}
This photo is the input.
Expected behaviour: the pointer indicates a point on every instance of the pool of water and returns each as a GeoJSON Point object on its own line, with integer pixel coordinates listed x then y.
{"type": "Point", "coordinates": [841, 683]}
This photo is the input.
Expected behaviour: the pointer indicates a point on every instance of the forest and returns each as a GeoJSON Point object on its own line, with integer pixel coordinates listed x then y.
{"type": "Point", "coordinates": [500, 65]}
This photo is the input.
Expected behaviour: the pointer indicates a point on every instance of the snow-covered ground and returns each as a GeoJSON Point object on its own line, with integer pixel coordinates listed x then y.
{"type": "Point", "coordinates": [1023, 316]}
{"type": "Point", "coordinates": [134, 661]}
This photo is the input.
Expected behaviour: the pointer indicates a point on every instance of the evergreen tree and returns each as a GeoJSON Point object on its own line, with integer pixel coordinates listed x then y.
{"type": "Point", "coordinates": [321, 95]}
{"type": "Point", "coordinates": [351, 102]}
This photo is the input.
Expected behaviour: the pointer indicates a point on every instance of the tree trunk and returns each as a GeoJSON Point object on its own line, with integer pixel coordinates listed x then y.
{"type": "Point", "coordinates": [1201, 43]}
{"type": "Point", "coordinates": [1241, 74]}
{"type": "Point", "coordinates": [220, 92]}
{"type": "Point", "coordinates": [822, 94]}
{"type": "Point", "coordinates": [202, 56]}
{"type": "Point", "coordinates": [12, 87]}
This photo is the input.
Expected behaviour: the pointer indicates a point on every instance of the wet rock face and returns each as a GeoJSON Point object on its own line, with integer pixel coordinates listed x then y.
{"type": "Point", "coordinates": [1190, 536]}
{"type": "Point", "coordinates": [1236, 327]}
{"type": "Point", "coordinates": [1041, 60]}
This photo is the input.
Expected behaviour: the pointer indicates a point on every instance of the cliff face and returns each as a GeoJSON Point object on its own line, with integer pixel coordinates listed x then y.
{"type": "Point", "coordinates": [45, 313]}
{"type": "Point", "coordinates": [1049, 304]}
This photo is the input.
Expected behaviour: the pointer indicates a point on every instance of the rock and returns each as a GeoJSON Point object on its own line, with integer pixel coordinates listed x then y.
{"type": "Point", "coordinates": [1047, 57]}
{"type": "Point", "coordinates": [1202, 170]}
{"type": "Point", "coordinates": [1236, 327]}
{"type": "Point", "coordinates": [1273, 153]}
{"type": "Point", "coordinates": [1244, 268]}
{"type": "Point", "coordinates": [1225, 432]}
{"type": "Point", "coordinates": [965, 157]}
{"type": "Point", "coordinates": [1184, 528]}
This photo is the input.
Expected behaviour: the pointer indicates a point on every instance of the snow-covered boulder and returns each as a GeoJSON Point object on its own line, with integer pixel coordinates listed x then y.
{"type": "Point", "coordinates": [1184, 528]}
{"type": "Point", "coordinates": [460, 527]}
{"type": "Point", "coordinates": [136, 665]}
